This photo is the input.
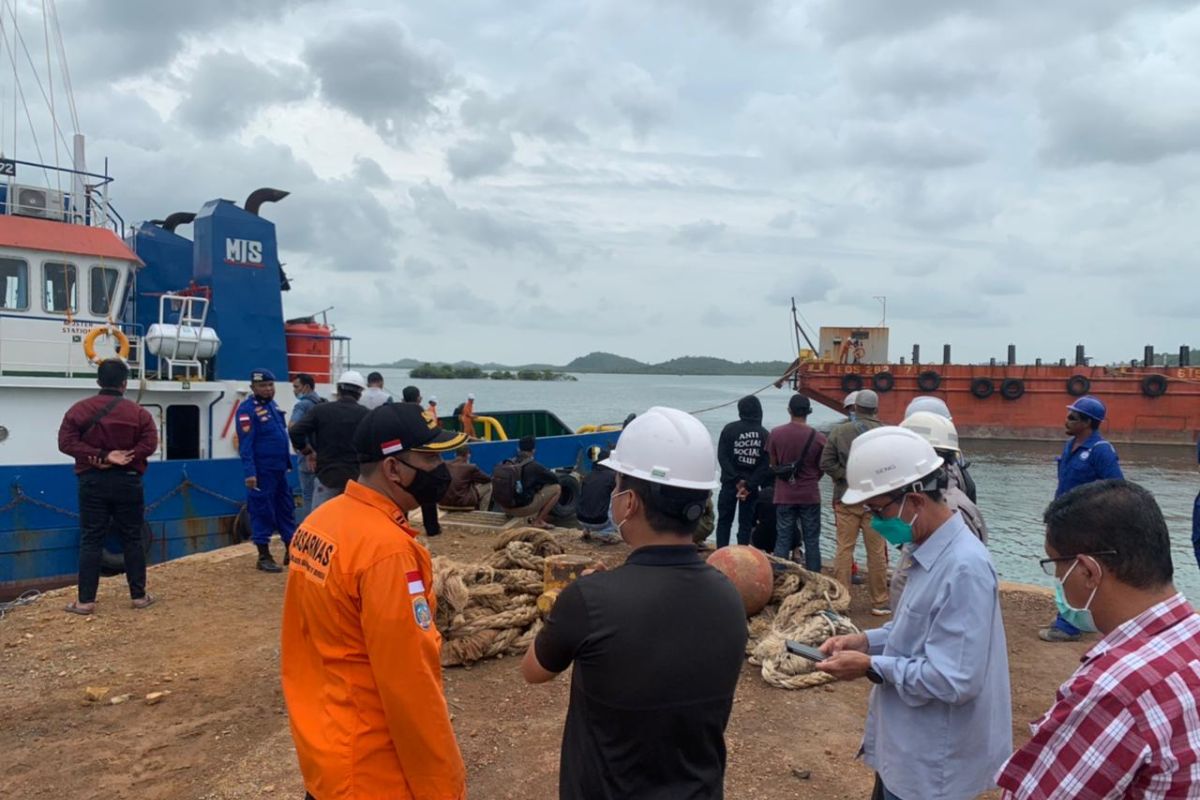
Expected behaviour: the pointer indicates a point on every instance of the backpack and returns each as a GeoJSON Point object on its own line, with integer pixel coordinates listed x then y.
{"type": "Point", "coordinates": [506, 483]}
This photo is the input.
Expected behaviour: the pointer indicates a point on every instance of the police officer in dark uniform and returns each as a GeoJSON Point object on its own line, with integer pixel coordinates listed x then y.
{"type": "Point", "coordinates": [263, 446]}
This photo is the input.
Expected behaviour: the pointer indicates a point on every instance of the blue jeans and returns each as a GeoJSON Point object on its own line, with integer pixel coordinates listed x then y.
{"type": "Point", "coordinates": [807, 518]}
{"type": "Point", "coordinates": [306, 491]}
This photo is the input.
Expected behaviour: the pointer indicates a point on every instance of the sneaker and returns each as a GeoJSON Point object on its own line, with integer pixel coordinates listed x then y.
{"type": "Point", "coordinates": [1055, 634]}
{"type": "Point", "coordinates": [882, 611]}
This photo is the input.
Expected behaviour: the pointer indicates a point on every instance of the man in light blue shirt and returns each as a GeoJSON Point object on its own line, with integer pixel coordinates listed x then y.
{"type": "Point", "coordinates": [939, 723]}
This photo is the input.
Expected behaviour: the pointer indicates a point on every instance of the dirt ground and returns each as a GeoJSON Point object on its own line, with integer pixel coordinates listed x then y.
{"type": "Point", "coordinates": [212, 642]}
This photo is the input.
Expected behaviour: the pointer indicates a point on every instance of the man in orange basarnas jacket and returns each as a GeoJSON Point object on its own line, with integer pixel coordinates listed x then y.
{"type": "Point", "coordinates": [361, 656]}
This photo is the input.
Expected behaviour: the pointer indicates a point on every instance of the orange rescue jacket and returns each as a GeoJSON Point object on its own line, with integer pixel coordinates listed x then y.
{"type": "Point", "coordinates": [467, 418]}
{"type": "Point", "coordinates": [362, 672]}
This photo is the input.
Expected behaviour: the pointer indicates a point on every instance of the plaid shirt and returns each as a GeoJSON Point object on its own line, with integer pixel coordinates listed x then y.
{"type": "Point", "coordinates": [1127, 723]}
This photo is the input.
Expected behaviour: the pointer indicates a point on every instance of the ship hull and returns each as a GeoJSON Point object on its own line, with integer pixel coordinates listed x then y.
{"type": "Point", "coordinates": [1035, 412]}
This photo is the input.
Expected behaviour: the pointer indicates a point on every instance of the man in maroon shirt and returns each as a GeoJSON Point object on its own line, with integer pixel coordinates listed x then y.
{"type": "Point", "coordinates": [795, 451]}
{"type": "Point", "coordinates": [110, 439]}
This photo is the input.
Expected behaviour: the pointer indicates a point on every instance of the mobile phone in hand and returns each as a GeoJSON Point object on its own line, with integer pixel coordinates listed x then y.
{"type": "Point", "coordinates": [804, 650]}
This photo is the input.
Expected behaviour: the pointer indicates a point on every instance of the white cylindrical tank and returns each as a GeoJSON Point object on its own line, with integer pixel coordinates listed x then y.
{"type": "Point", "coordinates": [174, 341]}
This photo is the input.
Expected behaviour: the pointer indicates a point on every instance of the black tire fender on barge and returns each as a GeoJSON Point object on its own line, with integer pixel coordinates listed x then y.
{"type": "Point", "coordinates": [982, 388]}
{"type": "Point", "coordinates": [929, 381]}
{"type": "Point", "coordinates": [851, 382]}
{"type": "Point", "coordinates": [114, 563]}
{"type": "Point", "coordinates": [1012, 388]}
{"type": "Point", "coordinates": [1078, 385]}
{"type": "Point", "coordinates": [883, 381]}
{"type": "Point", "coordinates": [1154, 385]}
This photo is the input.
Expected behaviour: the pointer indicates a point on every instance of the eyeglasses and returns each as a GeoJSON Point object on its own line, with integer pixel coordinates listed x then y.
{"type": "Point", "coordinates": [1048, 563]}
{"type": "Point", "coordinates": [877, 511]}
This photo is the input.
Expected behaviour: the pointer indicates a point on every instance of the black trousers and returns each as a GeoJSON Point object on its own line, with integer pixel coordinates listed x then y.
{"type": "Point", "coordinates": [429, 518]}
{"type": "Point", "coordinates": [727, 502]}
{"type": "Point", "coordinates": [110, 500]}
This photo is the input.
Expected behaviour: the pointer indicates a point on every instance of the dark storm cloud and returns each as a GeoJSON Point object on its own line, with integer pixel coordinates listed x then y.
{"type": "Point", "coordinates": [227, 90]}
{"type": "Point", "coordinates": [374, 70]}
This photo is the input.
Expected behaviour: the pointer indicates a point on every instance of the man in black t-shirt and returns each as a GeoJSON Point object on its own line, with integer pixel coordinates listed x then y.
{"type": "Point", "coordinates": [658, 642]}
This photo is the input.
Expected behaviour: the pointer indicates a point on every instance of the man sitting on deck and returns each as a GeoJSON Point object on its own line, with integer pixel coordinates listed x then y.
{"type": "Point", "coordinates": [539, 489]}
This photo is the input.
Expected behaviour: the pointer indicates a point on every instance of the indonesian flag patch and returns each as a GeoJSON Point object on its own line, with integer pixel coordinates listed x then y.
{"type": "Point", "coordinates": [391, 446]}
{"type": "Point", "coordinates": [415, 584]}
{"type": "Point", "coordinates": [244, 422]}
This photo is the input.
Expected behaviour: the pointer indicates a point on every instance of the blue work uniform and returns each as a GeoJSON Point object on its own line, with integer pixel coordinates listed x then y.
{"type": "Point", "coordinates": [1094, 460]}
{"type": "Point", "coordinates": [307, 476]}
{"type": "Point", "coordinates": [1196, 516]}
{"type": "Point", "coordinates": [264, 448]}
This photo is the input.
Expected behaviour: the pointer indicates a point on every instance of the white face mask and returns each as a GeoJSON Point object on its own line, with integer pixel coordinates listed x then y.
{"type": "Point", "coordinates": [622, 522]}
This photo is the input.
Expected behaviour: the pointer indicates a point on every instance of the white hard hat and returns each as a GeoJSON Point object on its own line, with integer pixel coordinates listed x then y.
{"type": "Point", "coordinates": [352, 377]}
{"type": "Point", "coordinates": [471, 396]}
{"type": "Point", "coordinates": [667, 446]}
{"type": "Point", "coordinates": [433, 400]}
{"type": "Point", "coordinates": [928, 402]}
{"type": "Point", "coordinates": [933, 428]}
{"type": "Point", "coordinates": [850, 398]}
{"type": "Point", "coordinates": [885, 459]}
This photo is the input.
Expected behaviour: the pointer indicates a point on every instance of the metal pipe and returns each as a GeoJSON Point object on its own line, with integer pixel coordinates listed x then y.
{"type": "Point", "coordinates": [1149, 355]}
{"type": "Point", "coordinates": [1185, 356]}
{"type": "Point", "coordinates": [210, 422]}
{"type": "Point", "coordinates": [1080, 359]}
{"type": "Point", "coordinates": [945, 354]}
{"type": "Point", "coordinates": [993, 362]}
{"type": "Point", "coordinates": [1012, 355]}
{"type": "Point", "coordinates": [916, 354]}
{"type": "Point", "coordinates": [1037, 362]}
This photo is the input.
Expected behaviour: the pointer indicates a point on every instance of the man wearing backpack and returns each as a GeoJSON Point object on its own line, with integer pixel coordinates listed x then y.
{"type": "Point", "coordinates": [522, 487]}
{"type": "Point", "coordinates": [853, 518]}
{"type": "Point", "coordinates": [795, 451]}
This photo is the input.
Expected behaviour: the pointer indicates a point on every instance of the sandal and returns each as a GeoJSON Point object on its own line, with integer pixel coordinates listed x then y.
{"type": "Point", "coordinates": [75, 607]}
{"type": "Point", "coordinates": [144, 602]}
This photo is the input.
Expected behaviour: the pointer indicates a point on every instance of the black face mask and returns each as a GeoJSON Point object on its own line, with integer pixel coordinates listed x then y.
{"type": "Point", "coordinates": [429, 486]}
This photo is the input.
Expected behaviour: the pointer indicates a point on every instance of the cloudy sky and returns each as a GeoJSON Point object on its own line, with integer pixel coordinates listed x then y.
{"type": "Point", "coordinates": [530, 181]}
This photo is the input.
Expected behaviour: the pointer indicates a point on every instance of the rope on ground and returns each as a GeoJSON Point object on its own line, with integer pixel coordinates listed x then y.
{"type": "Point", "coordinates": [490, 610]}
{"type": "Point", "coordinates": [777, 383]}
{"type": "Point", "coordinates": [806, 607]}
{"type": "Point", "coordinates": [25, 599]}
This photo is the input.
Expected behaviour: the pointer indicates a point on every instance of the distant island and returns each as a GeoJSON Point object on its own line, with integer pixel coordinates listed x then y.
{"type": "Point", "coordinates": [451, 372]}
{"type": "Point", "coordinates": [609, 363]}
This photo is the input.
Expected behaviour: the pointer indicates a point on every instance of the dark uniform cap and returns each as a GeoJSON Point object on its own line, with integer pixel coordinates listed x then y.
{"type": "Point", "coordinates": [262, 376]}
{"type": "Point", "coordinates": [396, 427]}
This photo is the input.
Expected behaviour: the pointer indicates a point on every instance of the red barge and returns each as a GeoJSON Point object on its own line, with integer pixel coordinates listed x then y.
{"type": "Point", "coordinates": [1146, 404]}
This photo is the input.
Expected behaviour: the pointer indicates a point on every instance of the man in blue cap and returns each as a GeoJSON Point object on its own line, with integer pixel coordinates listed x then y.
{"type": "Point", "coordinates": [263, 446]}
{"type": "Point", "coordinates": [1087, 456]}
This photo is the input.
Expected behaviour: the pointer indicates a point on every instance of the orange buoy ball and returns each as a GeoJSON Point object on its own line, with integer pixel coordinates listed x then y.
{"type": "Point", "coordinates": [750, 571]}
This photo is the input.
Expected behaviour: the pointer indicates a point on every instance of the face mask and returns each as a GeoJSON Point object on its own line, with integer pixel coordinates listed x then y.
{"type": "Point", "coordinates": [429, 486]}
{"type": "Point", "coordinates": [622, 522]}
{"type": "Point", "coordinates": [895, 530]}
{"type": "Point", "coordinates": [1079, 617]}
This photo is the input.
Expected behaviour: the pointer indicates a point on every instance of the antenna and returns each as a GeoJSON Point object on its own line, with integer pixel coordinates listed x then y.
{"type": "Point", "coordinates": [883, 300]}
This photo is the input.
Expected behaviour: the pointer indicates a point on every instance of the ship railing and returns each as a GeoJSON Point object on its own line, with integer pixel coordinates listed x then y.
{"type": "Point", "coordinates": [62, 194]}
{"type": "Point", "coordinates": [24, 354]}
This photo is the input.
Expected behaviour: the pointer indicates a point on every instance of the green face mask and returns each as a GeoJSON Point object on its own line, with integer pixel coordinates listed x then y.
{"type": "Point", "coordinates": [895, 530]}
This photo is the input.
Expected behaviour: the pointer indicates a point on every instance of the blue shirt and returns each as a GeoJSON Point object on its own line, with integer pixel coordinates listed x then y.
{"type": "Point", "coordinates": [1094, 460]}
{"type": "Point", "coordinates": [303, 405]}
{"type": "Point", "coordinates": [940, 725]}
{"type": "Point", "coordinates": [262, 437]}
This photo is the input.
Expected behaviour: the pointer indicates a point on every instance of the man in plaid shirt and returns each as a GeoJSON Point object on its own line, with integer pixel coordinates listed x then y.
{"type": "Point", "coordinates": [1127, 723]}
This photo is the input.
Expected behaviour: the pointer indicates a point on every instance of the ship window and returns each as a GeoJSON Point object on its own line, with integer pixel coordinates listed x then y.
{"type": "Point", "coordinates": [183, 432]}
{"type": "Point", "coordinates": [103, 289]}
{"type": "Point", "coordinates": [14, 284]}
{"type": "Point", "coordinates": [60, 295]}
